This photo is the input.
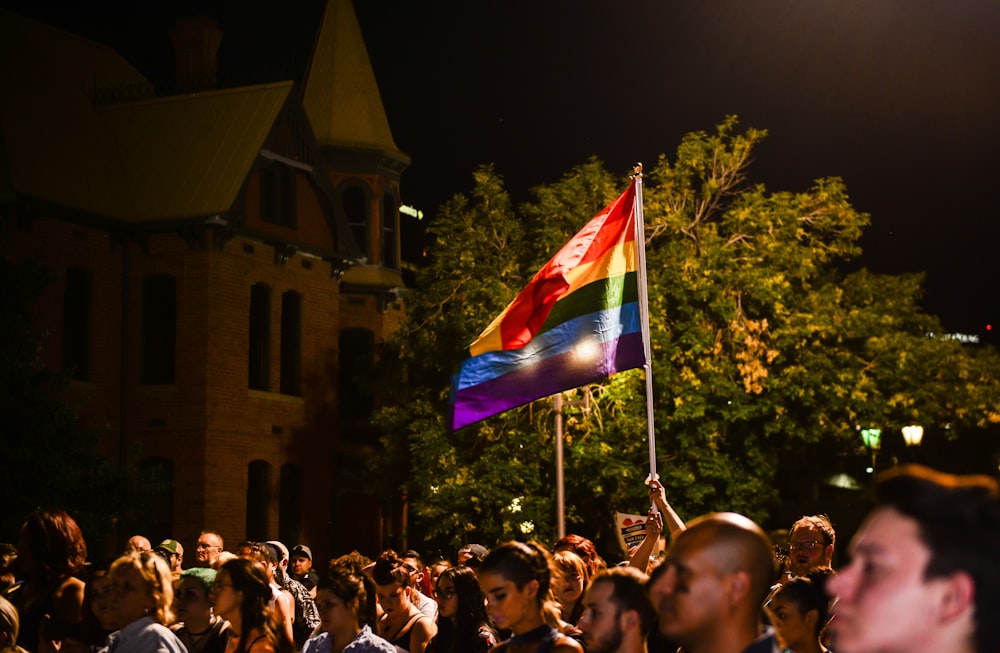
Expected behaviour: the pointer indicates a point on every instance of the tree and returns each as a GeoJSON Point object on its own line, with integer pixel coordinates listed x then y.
{"type": "Point", "coordinates": [763, 346]}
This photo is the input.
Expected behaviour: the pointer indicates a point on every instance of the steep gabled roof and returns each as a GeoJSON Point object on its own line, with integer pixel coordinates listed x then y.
{"type": "Point", "coordinates": [143, 161]}
{"type": "Point", "coordinates": [341, 95]}
{"type": "Point", "coordinates": [189, 155]}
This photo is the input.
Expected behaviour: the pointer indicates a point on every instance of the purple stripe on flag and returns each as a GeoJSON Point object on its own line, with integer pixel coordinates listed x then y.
{"type": "Point", "coordinates": [548, 376]}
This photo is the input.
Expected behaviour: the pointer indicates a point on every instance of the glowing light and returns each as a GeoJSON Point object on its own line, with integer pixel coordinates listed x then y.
{"type": "Point", "coordinates": [527, 527]}
{"type": "Point", "coordinates": [587, 350]}
{"type": "Point", "coordinates": [913, 435]}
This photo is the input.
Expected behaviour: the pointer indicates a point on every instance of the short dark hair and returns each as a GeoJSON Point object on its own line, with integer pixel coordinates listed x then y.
{"type": "Point", "coordinates": [628, 592]}
{"type": "Point", "coordinates": [958, 519]}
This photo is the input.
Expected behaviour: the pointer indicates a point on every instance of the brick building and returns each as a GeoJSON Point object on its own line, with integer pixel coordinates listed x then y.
{"type": "Point", "coordinates": [224, 263]}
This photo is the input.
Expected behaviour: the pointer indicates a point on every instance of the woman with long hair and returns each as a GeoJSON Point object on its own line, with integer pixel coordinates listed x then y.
{"type": "Point", "coordinates": [515, 577]}
{"type": "Point", "coordinates": [141, 600]}
{"type": "Point", "coordinates": [463, 626]}
{"type": "Point", "coordinates": [402, 622]}
{"type": "Point", "coordinates": [50, 554]}
{"type": "Point", "coordinates": [242, 595]}
{"type": "Point", "coordinates": [569, 582]}
{"type": "Point", "coordinates": [346, 603]}
{"type": "Point", "coordinates": [800, 610]}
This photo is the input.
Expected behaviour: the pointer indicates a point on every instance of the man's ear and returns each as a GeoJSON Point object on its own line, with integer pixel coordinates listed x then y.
{"type": "Point", "coordinates": [958, 595]}
{"type": "Point", "coordinates": [630, 618]}
{"type": "Point", "coordinates": [739, 586]}
{"type": "Point", "coordinates": [828, 553]}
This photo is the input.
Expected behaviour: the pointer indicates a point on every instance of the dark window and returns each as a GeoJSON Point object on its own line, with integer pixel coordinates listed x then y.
{"type": "Point", "coordinates": [260, 337]}
{"type": "Point", "coordinates": [76, 323]}
{"type": "Point", "coordinates": [291, 343]}
{"type": "Point", "coordinates": [258, 499]}
{"type": "Point", "coordinates": [277, 195]}
{"type": "Point", "coordinates": [357, 362]}
{"type": "Point", "coordinates": [290, 503]}
{"type": "Point", "coordinates": [390, 231]}
{"type": "Point", "coordinates": [156, 519]}
{"type": "Point", "coordinates": [159, 330]}
{"type": "Point", "coordinates": [357, 207]}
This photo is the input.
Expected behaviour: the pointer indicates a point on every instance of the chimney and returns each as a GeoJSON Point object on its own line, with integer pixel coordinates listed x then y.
{"type": "Point", "coordinates": [196, 42]}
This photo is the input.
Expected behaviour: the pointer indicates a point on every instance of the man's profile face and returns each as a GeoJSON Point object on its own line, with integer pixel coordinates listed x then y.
{"type": "Point", "coordinates": [689, 595]}
{"type": "Point", "coordinates": [885, 604]}
{"type": "Point", "coordinates": [807, 548]}
{"type": "Point", "coordinates": [208, 548]}
{"type": "Point", "coordinates": [601, 620]}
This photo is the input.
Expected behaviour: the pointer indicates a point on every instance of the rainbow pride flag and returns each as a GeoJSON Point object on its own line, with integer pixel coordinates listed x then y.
{"type": "Point", "coordinates": [577, 321]}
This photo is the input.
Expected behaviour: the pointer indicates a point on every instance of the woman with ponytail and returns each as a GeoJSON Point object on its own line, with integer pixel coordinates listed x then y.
{"type": "Point", "coordinates": [515, 577]}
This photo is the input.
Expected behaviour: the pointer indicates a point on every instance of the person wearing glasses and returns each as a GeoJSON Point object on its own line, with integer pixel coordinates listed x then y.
{"type": "Point", "coordinates": [208, 548]}
{"type": "Point", "coordinates": [197, 626]}
{"type": "Point", "coordinates": [463, 626]}
{"type": "Point", "coordinates": [811, 541]}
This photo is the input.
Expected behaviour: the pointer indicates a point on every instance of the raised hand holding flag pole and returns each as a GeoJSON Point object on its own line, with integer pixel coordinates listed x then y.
{"type": "Point", "coordinates": [577, 321]}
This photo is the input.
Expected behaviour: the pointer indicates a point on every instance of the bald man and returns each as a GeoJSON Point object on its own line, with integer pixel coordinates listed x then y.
{"type": "Point", "coordinates": [709, 589]}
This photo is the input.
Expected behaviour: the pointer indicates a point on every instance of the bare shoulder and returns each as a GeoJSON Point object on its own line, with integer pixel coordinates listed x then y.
{"type": "Point", "coordinates": [567, 645]}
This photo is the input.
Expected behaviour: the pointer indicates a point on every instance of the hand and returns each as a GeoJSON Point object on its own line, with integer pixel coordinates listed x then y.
{"type": "Point", "coordinates": [654, 524]}
{"type": "Point", "coordinates": [657, 495]}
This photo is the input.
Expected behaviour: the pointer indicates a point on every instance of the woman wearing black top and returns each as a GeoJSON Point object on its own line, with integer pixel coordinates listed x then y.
{"type": "Point", "coordinates": [462, 622]}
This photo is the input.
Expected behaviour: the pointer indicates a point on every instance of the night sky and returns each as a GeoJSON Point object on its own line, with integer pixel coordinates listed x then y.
{"type": "Point", "coordinates": [901, 98]}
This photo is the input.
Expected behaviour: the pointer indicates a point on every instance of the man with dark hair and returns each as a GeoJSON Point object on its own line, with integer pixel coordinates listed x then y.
{"type": "Point", "coordinates": [709, 589]}
{"type": "Point", "coordinates": [925, 568]}
{"type": "Point", "coordinates": [811, 541]}
{"type": "Point", "coordinates": [618, 614]}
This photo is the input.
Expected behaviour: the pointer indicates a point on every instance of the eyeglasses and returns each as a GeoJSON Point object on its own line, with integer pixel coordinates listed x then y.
{"type": "Point", "coordinates": [202, 547]}
{"type": "Point", "coordinates": [811, 545]}
{"type": "Point", "coordinates": [447, 594]}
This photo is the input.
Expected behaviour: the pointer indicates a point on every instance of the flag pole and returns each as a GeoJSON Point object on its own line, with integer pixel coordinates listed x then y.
{"type": "Point", "coordinates": [640, 240]}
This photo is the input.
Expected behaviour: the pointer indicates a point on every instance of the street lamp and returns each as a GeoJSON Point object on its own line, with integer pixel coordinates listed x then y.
{"type": "Point", "coordinates": [872, 439]}
{"type": "Point", "coordinates": [913, 435]}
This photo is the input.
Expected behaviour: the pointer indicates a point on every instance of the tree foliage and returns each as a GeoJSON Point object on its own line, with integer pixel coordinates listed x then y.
{"type": "Point", "coordinates": [763, 346]}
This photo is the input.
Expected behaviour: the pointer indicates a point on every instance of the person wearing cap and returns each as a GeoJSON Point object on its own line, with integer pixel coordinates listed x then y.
{"type": "Point", "coordinates": [197, 627]}
{"type": "Point", "coordinates": [472, 555]}
{"type": "Point", "coordinates": [305, 617]}
{"type": "Point", "coordinates": [173, 553]}
{"type": "Point", "coordinates": [301, 568]}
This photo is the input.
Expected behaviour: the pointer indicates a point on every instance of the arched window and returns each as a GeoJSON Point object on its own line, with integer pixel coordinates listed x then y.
{"type": "Point", "coordinates": [291, 343]}
{"type": "Point", "coordinates": [390, 230]}
{"type": "Point", "coordinates": [259, 354]}
{"type": "Point", "coordinates": [357, 209]}
{"type": "Point", "coordinates": [258, 499]}
{"type": "Point", "coordinates": [158, 329]}
{"type": "Point", "coordinates": [76, 323]}
{"type": "Point", "coordinates": [290, 503]}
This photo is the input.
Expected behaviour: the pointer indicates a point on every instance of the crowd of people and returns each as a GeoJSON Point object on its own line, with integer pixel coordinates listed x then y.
{"type": "Point", "coordinates": [923, 575]}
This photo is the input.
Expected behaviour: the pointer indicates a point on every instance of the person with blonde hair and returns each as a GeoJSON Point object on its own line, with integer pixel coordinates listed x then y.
{"type": "Point", "coordinates": [142, 599]}
{"type": "Point", "coordinates": [9, 626]}
{"type": "Point", "coordinates": [569, 582]}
